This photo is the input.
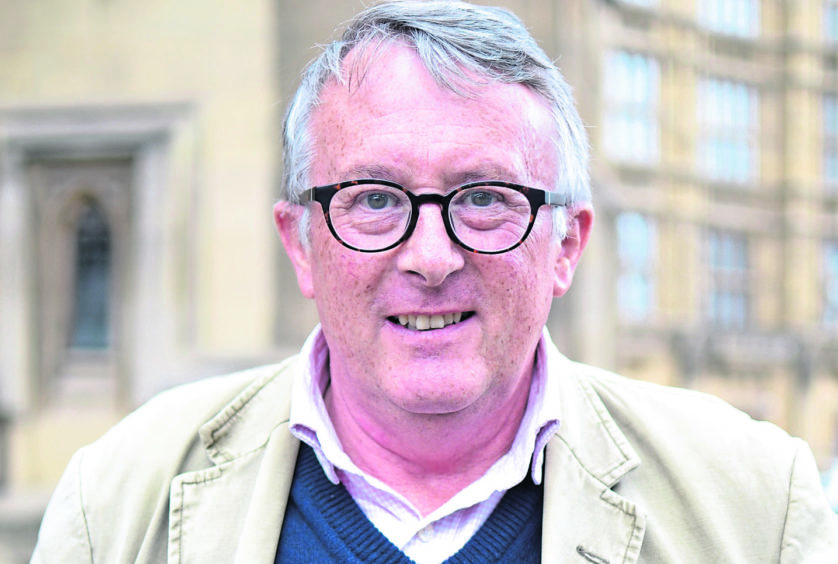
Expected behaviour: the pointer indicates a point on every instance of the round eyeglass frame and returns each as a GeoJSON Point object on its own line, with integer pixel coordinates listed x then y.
{"type": "Point", "coordinates": [536, 197]}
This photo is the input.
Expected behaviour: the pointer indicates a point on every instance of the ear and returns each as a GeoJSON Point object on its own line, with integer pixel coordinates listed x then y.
{"type": "Point", "coordinates": [287, 218]}
{"type": "Point", "coordinates": [580, 221]}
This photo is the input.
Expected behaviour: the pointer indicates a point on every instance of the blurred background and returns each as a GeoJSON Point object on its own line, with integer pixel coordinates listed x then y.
{"type": "Point", "coordinates": [140, 157]}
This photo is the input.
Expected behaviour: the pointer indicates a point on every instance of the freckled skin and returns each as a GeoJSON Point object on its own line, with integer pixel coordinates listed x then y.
{"type": "Point", "coordinates": [408, 390]}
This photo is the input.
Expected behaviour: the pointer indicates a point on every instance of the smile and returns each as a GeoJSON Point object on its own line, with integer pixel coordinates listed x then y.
{"type": "Point", "coordinates": [428, 322]}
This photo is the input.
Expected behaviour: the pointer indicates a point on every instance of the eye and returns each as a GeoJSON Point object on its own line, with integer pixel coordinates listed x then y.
{"type": "Point", "coordinates": [482, 198]}
{"type": "Point", "coordinates": [378, 200]}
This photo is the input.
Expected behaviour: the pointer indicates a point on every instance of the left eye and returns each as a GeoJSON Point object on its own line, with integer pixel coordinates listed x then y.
{"type": "Point", "coordinates": [482, 198]}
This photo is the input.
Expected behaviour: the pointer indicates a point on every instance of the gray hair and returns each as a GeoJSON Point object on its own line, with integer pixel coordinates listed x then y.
{"type": "Point", "coordinates": [456, 42]}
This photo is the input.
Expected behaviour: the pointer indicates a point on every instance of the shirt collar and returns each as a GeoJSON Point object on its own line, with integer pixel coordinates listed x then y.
{"type": "Point", "coordinates": [310, 423]}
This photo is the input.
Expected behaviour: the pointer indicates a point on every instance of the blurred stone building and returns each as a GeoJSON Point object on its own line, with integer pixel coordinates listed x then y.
{"type": "Point", "coordinates": [139, 160]}
{"type": "Point", "coordinates": [715, 134]}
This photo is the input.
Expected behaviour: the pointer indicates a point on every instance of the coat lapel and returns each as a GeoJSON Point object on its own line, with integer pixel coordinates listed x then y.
{"type": "Point", "coordinates": [263, 520]}
{"type": "Point", "coordinates": [233, 510]}
{"type": "Point", "coordinates": [583, 516]}
{"type": "Point", "coordinates": [584, 519]}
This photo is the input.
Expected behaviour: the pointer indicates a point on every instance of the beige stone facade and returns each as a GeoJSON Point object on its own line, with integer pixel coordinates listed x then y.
{"type": "Point", "coordinates": [712, 264]}
{"type": "Point", "coordinates": [737, 191]}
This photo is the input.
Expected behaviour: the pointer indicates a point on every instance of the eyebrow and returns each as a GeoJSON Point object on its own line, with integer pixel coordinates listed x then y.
{"type": "Point", "coordinates": [370, 171]}
{"type": "Point", "coordinates": [488, 173]}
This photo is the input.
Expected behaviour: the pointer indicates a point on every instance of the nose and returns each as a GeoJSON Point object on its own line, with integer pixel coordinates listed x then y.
{"type": "Point", "coordinates": [429, 253]}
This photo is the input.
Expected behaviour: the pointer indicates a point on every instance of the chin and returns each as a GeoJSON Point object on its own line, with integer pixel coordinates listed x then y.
{"type": "Point", "coordinates": [434, 407]}
{"type": "Point", "coordinates": [437, 398]}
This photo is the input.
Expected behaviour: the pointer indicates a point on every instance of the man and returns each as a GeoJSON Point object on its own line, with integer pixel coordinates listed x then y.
{"type": "Point", "coordinates": [437, 201]}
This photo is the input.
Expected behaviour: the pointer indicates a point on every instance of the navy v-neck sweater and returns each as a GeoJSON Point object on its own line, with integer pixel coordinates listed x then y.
{"type": "Point", "coordinates": [323, 524]}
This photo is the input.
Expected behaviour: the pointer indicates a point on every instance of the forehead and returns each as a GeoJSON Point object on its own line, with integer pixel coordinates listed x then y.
{"type": "Point", "coordinates": [391, 113]}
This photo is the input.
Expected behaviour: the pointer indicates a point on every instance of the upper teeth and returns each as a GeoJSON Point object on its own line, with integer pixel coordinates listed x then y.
{"type": "Point", "coordinates": [425, 322]}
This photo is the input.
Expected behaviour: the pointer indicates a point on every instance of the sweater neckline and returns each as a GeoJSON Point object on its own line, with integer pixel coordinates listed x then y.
{"type": "Point", "coordinates": [350, 530]}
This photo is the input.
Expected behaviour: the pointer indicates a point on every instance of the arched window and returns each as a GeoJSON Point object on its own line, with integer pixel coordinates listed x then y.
{"type": "Point", "coordinates": [90, 328]}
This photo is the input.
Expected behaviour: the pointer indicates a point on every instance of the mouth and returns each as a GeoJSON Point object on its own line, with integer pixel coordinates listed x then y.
{"type": "Point", "coordinates": [428, 322]}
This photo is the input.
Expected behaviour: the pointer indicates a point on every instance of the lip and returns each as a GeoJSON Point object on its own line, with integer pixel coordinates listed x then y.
{"type": "Point", "coordinates": [429, 322]}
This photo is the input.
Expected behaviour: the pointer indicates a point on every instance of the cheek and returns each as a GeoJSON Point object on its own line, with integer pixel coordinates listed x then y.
{"type": "Point", "coordinates": [345, 281]}
{"type": "Point", "coordinates": [508, 294]}
{"type": "Point", "coordinates": [525, 288]}
{"type": "Point", "coordinates": [336, 282]}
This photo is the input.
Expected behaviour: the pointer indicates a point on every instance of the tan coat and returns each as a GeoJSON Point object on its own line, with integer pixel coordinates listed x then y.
{"type": "Point", "coordinates": [636, 473]}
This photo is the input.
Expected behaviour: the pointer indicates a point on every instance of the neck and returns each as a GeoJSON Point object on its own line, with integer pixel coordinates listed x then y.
{"type": "Point", "coordinates": [427, 458]}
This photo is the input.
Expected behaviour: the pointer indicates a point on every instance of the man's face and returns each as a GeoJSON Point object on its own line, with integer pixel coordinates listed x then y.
{"type": "Point", "coordinates": [399, 125]}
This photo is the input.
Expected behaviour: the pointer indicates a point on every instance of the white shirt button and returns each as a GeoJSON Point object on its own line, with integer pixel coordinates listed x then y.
{"type": "Point", "coordinates": [426, 534]}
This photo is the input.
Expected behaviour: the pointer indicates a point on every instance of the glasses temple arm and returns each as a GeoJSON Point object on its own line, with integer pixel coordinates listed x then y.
{"type": "Point", "coordinates": [306, 196]}
{"type": "Point", "coordinates": [556, 199]}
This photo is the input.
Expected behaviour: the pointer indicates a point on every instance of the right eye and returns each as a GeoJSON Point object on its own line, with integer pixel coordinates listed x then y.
{"type": "Point", "coordinates": [377, 200]}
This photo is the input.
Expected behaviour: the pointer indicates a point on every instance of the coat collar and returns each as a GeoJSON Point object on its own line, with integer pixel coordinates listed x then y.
{"type": "Point", "coordinates": [584, 519]}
